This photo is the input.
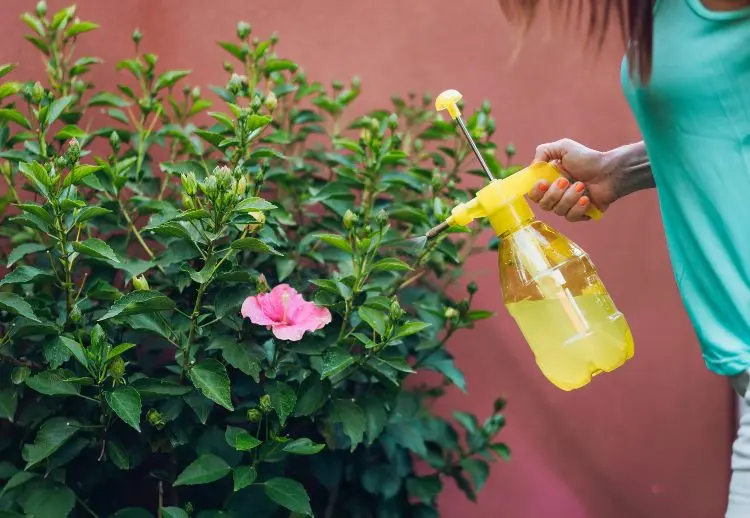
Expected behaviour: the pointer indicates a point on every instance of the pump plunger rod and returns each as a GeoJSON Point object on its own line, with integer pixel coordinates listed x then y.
{"type": "Point", "coordinates": [448, 100]}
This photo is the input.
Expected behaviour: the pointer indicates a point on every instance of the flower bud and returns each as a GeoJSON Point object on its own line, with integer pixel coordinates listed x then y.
{"type": "Point", "coordinates": [79, 86]}
{"type": "Point", "coordinates": [426, 98]}
{"type": "Point", "coordinates": [510, 150]}
{"type": "Point", "coordinates": [450, 313]}
{"type": "Point", "coordinates": [140, 283]}
{"type": "Point", "coordinates": [116, 369]}
{"type": "Point", "coordinates": [271, 102]}
{"type": "Point", "coordinates": [259, 176]}
{"type": "Point", "coordinates": [382, 217]}
{"type": "Point", "coordinates": [41, 8]}
{"type": "Point", "coordinates": [235, 84]}
{"type": "Point", "coordinates": [74, 151]}
{"type": "Point", "coordinates": [243, 30]}
{"type": "Point", "coordinates": [395, 310]}
{"type": "Point", "coordinates": [257, 102]}
{"type": "Point", "coordinates": [210, 187]}
{"type": "Point", "coordinates": [254, 415]}
{"type": "Point", "coordinates": [189, 183]}
{"type": "Point", "coordinates": [356, 82]}
{"type": "Point", "coordinates": [155, 419]}
{"type": "Point", "coordinates": [20, 374]}
{"type": "Point", "coordinates": [418, 145]}
{"type": "Point", "coordinates": [37, 93]}
{"type": "Point", "coordinates": [393, 121]}
{"type": "Point", "coordinates": [337, 86]}
{"type": "Point", "coordinates": [486, 108]}
{"type": "Point", "coordinates": [472, 288]}
{"type": "Point", "coordinates": [137, 36]}
{"type": "Point", "coordinates": [60, 163]}
{"type": "Point", "coordinates": [265, 404]}
{"type": "Point", "coordinates": [75, 314]}
{"type": "Point", "coordinates": [350, 219]}
{"type": "Point", "coordinates": [196, 93]}
{"type": "Point", "coordinates": [228, 67]}
{"type": "Point", "coordinates": [261, 284]}
{"type": "Point", "coordinates": [223, 177]}
{"type": "Point", "coordinates": [241, 186]}
{"type": "Point", "coordinates": [187, 202]}
{"type": "Point", "coordinates": [463, 306]}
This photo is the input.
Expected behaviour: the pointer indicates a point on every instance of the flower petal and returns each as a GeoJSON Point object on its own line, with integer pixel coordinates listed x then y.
{"type": "Point", "coordinates": [252, 309]}
{"type": "Point", "coordinates": [292, 333]}
{"type": "Point", "coordinates": [310, 316]}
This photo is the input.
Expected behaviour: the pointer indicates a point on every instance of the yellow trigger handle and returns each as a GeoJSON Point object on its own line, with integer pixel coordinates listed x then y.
{"type": "Point", "coordinates": [548, 172]}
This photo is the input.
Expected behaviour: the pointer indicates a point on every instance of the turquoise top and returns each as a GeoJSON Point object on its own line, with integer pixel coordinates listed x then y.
{"type": "Point", "coordinates": [695, 120]}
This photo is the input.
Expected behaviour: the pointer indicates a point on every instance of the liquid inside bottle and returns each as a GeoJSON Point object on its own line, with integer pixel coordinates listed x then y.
{"type": "Point", "coordinates": [554, 293]}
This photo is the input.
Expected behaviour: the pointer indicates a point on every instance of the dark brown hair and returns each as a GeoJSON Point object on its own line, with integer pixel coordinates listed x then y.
{"type": "Point", "coordinates": [635, 19]}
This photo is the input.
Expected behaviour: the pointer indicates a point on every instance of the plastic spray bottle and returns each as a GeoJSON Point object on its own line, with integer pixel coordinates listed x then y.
{"type": "Point", "coordinates": [549, 285]}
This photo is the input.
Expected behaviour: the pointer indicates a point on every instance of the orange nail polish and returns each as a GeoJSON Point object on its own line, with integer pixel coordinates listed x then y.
{"type": "Point", "coordinates": [583, 201]}
{"type": "Point", "coordinates": [580, 187]}
{"type": "Point", "coordinates": [543, 187]}
{"type": "Point", "coordinates": [562, 183]}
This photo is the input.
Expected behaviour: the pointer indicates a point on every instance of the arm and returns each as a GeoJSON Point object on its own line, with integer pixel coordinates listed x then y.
{"type": "Point", "coordinates": [629, 169]}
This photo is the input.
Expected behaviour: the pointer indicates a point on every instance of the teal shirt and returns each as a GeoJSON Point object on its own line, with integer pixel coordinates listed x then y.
{"type": "Point", "coordinates": [694, 116]}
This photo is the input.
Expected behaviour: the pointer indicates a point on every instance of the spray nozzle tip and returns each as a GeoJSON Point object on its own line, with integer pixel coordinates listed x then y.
{"type": "Point", "coordinates": [448, 100]}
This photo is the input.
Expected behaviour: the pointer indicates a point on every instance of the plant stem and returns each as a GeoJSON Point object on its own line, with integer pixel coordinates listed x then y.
{"type": "Point", "coordinates": [86, 507]}
{"type": "Point", "coordinates": [137, 234]}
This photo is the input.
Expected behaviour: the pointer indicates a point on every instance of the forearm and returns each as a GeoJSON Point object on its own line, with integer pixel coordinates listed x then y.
{"type": "Point", "coordinates": [630, 169]}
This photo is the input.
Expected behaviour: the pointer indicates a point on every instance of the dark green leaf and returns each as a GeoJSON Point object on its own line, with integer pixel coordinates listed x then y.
{"type": "Point", "coordinates": [375, 318]}
{"type": "Point", "coordinates": [425, 489]}
{"type": "Point", "coordinates": [24, 274]}
{"type": "Point", "coordinates": [204, 470]}
{"type": "Point", "coordinates": [238, 356]}
{"type": "Point", "coordinates": [118, 455]}
{"type": "Point", "coordinates": [75, 349]}
{"type": "Point", "coordinates": [77, 28]}
{"type": "Point", "coordinates": [159, 387]}
{"type": "Point", "coordinates": [335, 361]}
{"type": "Point", "coordinates": [90, 212]}
{"type": "Point", "coordinates": [336, 241]}
{"type": "Point", "coordinates": [56, 108]}
{"type": "Point", "coordinates": [253, 245]}
{"type": "Point", "coordinates": [479, 314]}
{"type": "Point", "coordinates": [50, 501]}
{"type": "Point", "coordinates": [23, 250]}
{"type": "Point", "coordinates": [8, 403]}
{"type": "Point", "coordinates": [376, 418]}
{"type": "Point", "coordinates": [235, 50]}
{"type": "Point", "coordinates": [289, 494]}
{"type": "Point", "coordinates": [126, 403]}
{"type": "Point", "coordinates": [51, 436]}
{"type": "Point", "coordinates": [390, 264]}
{"type": "Point", "coordinates": [313, 394]}
{"type": "Point", "coordinates": [96, 248]}
{"type": "Point", "coordinates": [173, 512]}
{"type": "Point", "coordinates": [108, 99]}
{"type": "Point", "coordinates": [274, 65]}
{"type": "Point", "coordinates": [283, 399]}
{"type": "Point", "coordinates": [501, 450]}
{"type": "Point", "coordinates": [351, 417]}
{"type": "Point", "coordinates": [51, 384]}
{"type": "Point", "coordinates": [252, 204]}
{"type": "Point", "coordinates": [55, 353]}
{"type": "Point", "coordinates": [303, 446]}
{"type": "Point", "coordinates": [244, 476]}
{"type": "Point", "coordinates": [210, 377]}
{"type": "Point", "coordinates": [169, 78]}
{"type": "Point", "coordinates": [240, 439]}
{"type": "Point", "coordinates": [478, 470]}
{"type": "Point", "coordinates": [80, 172]}
{"type": "Point", "coordinates": [411, 328]}
{"type": "Point", "coordinates": [137, 302]}
{"type": "Point", "coordinates": [17, 480]}
{"type": "Point", "coordinates": [14, 304]}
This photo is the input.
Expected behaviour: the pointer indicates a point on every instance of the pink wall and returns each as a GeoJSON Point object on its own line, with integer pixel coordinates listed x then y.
{"type": "Point", "coordinates": [651, 440]}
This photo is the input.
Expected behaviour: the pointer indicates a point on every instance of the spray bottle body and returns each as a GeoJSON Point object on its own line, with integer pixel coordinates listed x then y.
{"type": "Point", "coordinates": [554, 293]}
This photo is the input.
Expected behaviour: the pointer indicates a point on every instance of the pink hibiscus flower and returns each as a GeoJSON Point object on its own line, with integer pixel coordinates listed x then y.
{"type": "Point", "coordinates": [285, 312]}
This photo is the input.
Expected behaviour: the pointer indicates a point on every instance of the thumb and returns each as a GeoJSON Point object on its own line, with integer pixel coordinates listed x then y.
{"type": "Point", "coordinates": [552, 151]}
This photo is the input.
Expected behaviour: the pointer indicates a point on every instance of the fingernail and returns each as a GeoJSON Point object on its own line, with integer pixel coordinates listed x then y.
{"type": "Point", "coordinates": [580, 187]}
{"type": "Point", "coordinates": [583, 201]}
{"type": "Point", "coordinates": [562, 183]}
{"type": "Point", "coordinates": [543, 187]}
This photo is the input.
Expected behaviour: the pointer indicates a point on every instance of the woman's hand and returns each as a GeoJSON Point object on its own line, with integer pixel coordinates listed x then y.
{"type": "Point", "coordinates": [585, 178]}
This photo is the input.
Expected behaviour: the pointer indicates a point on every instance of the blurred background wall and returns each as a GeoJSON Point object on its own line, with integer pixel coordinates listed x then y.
{"type": "Point", "coordinates": [651, 440]}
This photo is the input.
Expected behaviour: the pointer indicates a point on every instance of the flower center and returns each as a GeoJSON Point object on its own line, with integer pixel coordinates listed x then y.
{"type": "Point", "coordinates": [284, 301]}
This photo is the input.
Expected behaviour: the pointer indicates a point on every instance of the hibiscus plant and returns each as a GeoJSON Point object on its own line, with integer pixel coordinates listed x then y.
{"type": "Point", "coordinates": [214, 304]}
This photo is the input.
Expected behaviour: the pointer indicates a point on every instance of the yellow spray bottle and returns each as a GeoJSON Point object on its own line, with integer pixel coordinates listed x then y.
{"type": "Point", "coordinates": [549, 285]}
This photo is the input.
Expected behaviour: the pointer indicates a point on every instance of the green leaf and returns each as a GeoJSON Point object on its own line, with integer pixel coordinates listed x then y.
{"type": "Point", "coordinates": [254, 245]}
{"type": "Point", "coordinates": [137, 302]}
{"type": "Point", "coordinates": [244, 476]}
{"type": "Point", "coordinates": [375, 318]}
{"type": "Point", "coordinates": [87, 213]}
{"type": "Point", "coordinates": [24, 274]}
{"type": "Point", "coordinates": [23, 250]}
{"type": "Point", "coordinates": [51, 384]}
{"type": "Point", "coordinates": [478, 470]}
{"type": "Point", "coordinates": [313, 395]}
{"type": "Point", "coordinates": [126, 403]}
{"type": "Point", "coordinates": [447, 368]}
{"type": "Point", "coordinates": [390, 264]}
{"type": "Point", "coordinates": [283, 399]}
{"type": "Point", "coordinates": [159, 387]}
{"type": "Point", "coordinates": [96, 248]}
{"type": "Point", "coordinates": [238, 356]}
{"type": "Point", "coordinates": [14, 304]}
{"type": "Point", "coordinates": [55, 353]}
{"type": "Point", "coordinates": [118, 455]}
{"type": "Point", "coordinates": [210, 377]}
{"type": "Point", "coordinates": [223, 119]}
{"type": "Point", "coordinates": [8, 403]}
{"type": "Point", "coordinates": [56, 108]}
{"type": "Point", "coordinates": [335, 361]}
{"type": "Point", "coordinates": [234, 50]}
{"type": "Point", "coordinates": [411, 328]}
{"type": "Point", "coordinates": [11, 115]}
{"type": "Point", "coordinates": [501, 450]}
{"type": "Point", "coordinates": [250, 204]}
{"type": "Point", "coordinates": [7, 89]}
{"type": "Point", "coordinates": [336, 241]}
{"type": "Point", "coordinates": [108, 99]}
{"type": "Point", "coordinates": [351, 417]}
{"type": "Point", "coordinates": [50, 501]}
{"type": "Point", "coordinates": [479, 314]}
{"type": "Point", "coordinates": [425, 489]}
{"type": "Point", "coordinates": [240, 439]}
{"type": "Point", "coordinates": [274, 65]}
{"type": "Point", "coordinates": [119, 350]}
{"type": "Point", "coordinates": [80, 172]}
{"type": "Point", "coordinates": [70, 131]}
{"type": "Point", "coordinates": [376, 418]}
{"type": "Point", "coordinates": [289, 494]}
{"type": "Point", "coordinates": [55, 432]}
{"type": "Point", "coordinates": [303, 446]}
{"type": "Point", "coordinates": [77, 28]}
{"type": "Point", "coordinates": [173, 512]}
{"type": "Point", "coordinates": [17, 480]}
{"type": "Point", "coordinates": [8, 67]}
{"type": "Point", "coordinates": [169, 78]}
{"type": "Point", "coordinates": [205, 469]}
